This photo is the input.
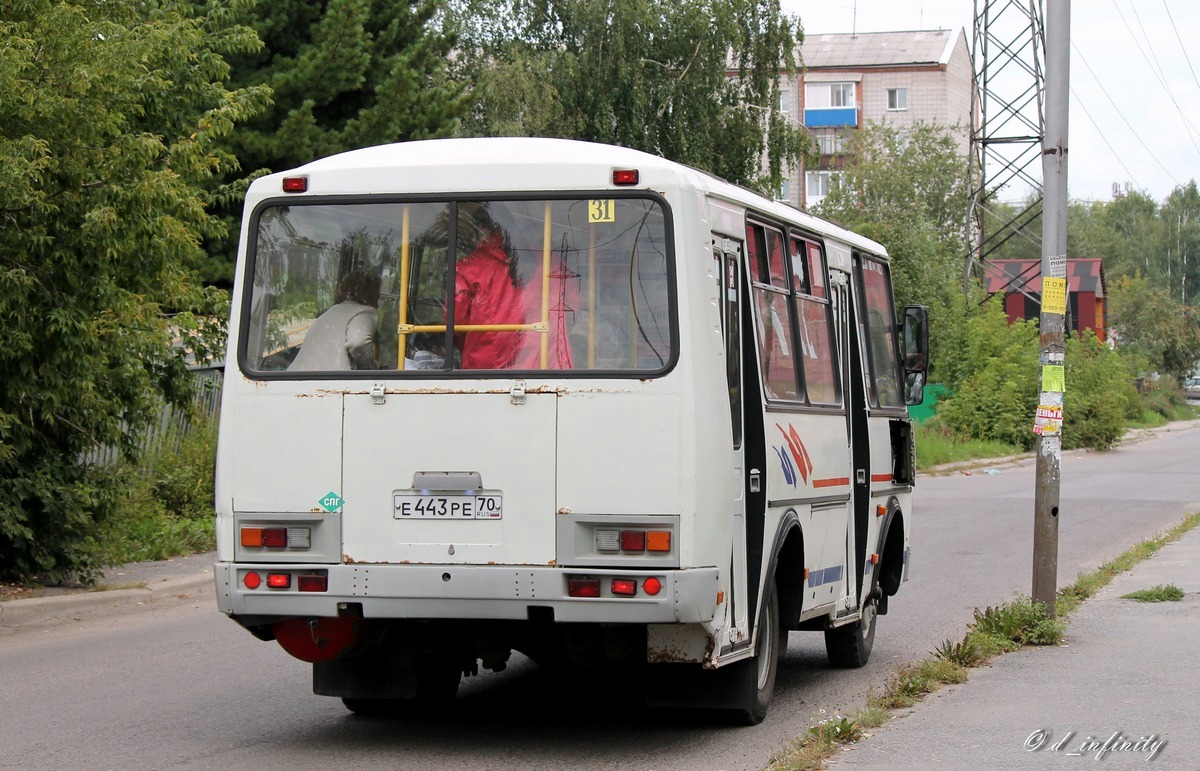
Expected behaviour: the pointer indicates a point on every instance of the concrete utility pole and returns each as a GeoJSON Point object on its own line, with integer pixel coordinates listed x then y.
{"type": "Point", "coordinates": [1049, 421]}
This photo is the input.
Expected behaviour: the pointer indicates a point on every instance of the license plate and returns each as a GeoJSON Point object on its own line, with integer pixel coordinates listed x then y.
{"type": "Point", "coordinates": [417, 505]}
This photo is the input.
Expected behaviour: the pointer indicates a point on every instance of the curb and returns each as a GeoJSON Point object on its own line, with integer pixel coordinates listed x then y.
{"type": "Point", "coordinates": [14, 613]}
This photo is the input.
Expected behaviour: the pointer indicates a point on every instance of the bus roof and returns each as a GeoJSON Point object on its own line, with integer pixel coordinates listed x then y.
{"type": "Point", "coordinates": [502, 164]}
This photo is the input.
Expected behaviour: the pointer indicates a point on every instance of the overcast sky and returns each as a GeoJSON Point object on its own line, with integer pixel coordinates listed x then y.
{"type": "Point", "coordinates": [1135, 105]}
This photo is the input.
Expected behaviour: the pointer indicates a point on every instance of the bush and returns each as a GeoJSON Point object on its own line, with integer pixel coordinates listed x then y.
{"type": "Point", "coordinates": [996, 397]}
{"type": "Point", "coordinates": [1100, 395]}
{"type": "Point", "coordinates": [167, 503]}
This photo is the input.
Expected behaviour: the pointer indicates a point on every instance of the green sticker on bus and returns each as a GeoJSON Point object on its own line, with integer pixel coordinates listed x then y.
{"type": "Point", "coordinates": [331, 502]}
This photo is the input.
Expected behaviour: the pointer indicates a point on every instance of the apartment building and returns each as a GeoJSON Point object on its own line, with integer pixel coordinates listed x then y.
{"type": "Point", "coordinates": [851, 80]}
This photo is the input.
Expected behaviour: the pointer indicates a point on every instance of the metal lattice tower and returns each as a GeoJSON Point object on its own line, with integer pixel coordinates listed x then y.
{"type": "Point", "coordinates": [1008, 125]}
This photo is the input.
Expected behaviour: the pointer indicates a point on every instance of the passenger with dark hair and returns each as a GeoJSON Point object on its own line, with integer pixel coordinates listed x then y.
{"type": "Point", "coordinates": [343, 337]}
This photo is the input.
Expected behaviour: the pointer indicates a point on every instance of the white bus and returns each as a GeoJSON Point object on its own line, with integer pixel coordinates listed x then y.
{"type": "Point", "coordinates": [561, 398]}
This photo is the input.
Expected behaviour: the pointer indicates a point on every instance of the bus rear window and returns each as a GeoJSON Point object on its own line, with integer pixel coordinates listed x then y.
{"type": "Point", "coordinates": [528, 285]}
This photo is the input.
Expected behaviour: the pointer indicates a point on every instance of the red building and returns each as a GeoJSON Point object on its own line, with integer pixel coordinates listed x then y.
{"type": "Point", "coordinates": [1020, 281]}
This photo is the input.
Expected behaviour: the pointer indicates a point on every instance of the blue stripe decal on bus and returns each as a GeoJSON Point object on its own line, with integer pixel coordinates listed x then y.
{"type": "Point", "coordinates": [824, 576]}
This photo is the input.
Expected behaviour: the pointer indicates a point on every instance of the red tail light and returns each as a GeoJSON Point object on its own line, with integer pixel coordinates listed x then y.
{"type": "Point", "coordinates": [295, 184]}
{"type": "Point", "coordinates": [279, 580]}
{"type": "Point", "coordinates": [624, 586]}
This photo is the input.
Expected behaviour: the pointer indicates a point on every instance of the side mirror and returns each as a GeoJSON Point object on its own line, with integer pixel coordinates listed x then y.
{"type": "Point", "coordinates": [915, 334]}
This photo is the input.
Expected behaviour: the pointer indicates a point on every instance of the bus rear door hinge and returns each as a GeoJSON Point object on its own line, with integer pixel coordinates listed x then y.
{"type": "Point", "coordinates": [377, 396]}
{"type": "Point", "coordinates": [516, 394]}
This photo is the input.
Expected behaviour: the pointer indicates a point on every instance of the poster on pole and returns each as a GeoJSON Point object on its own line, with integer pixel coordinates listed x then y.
{"type": "Point", "coordinates": [1054, 295]}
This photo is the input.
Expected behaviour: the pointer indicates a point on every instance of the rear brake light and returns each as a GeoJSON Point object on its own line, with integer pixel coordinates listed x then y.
{"type": "Point", "coordinates": [624, 586]}
{"type": "Point", "coordinates": [633, 540]}
{"type": "Point", "coordinates": [295, 184]}
{"type": "Point", "coordinates": [275, 537]}
{"type": "Point", "coordinates": [279, 580]}
{"type": "Point", "coordinates": [583, 587]}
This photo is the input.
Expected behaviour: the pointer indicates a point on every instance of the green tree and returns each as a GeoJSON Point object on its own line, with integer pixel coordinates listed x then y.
{"type": "Point", "coordinates": [908, 190]}
{"type": "Point", "coordinates": [344, 75]}
{"type": "Point", "coordinates": [1147, 322]}
{"type": "Point", "coordinates": [111, 111]}
{"type": "Point", "coordinates": [695, 81]}
{"type": "Point", "coordinates": [1180, 215]}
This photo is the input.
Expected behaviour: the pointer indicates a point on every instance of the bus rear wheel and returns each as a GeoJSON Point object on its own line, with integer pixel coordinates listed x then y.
{"type": "Point", "coordinates": [849, 646]}
{"type": "Point", "coordinates": [757, 684]}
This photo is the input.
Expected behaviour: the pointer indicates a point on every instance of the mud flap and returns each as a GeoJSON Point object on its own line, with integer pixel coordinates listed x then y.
{"type": "Point", "coordinates": [371, 675]}
{"type": "Point", "coordinates": [689, 685]}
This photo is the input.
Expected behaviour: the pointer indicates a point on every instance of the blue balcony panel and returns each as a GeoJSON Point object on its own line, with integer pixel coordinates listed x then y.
{"type": "Point", "coordinates": [831, 118]}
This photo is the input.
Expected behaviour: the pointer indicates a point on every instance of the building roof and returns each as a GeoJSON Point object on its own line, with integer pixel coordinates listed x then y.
{"type": "Point", "coordinates": [879, 49]}
{"type": "Point", "coordinates": [1083, 275]}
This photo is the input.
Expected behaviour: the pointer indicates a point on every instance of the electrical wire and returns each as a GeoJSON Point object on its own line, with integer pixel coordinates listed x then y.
{"type": "Point", "coordinates": [1137, 136]}
{"type": "Point", "coordinates": [1182, 47]}
{"type": "Point", "coordinates": [1116, 155]}
{"type": "Point", "coordinates": [1157, 72]}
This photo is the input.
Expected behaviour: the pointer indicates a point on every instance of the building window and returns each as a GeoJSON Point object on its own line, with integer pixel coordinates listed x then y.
{"type": "Point", "coordinates": [817, 185]}
{"type": "Point", "coordinates": [897, 98]}
{"type": "Point", "coordinates": [785, 191]}
{"type": "Point", "coordinates": [830, 142]}
{"type": "Point", "coordinates": [828, 95]}
{"type": "Point", "coordinates": [785, 102]}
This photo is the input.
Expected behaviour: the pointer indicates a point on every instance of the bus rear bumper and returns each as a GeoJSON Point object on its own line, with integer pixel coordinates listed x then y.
{"type": "Point", "coordinates": [406, 591]}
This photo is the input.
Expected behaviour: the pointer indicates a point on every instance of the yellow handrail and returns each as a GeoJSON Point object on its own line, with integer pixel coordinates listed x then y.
{"type": "Point", "coordinates": [546, 286]}
{"type": "Point", "coordinates": [591, 296]}
{"type": "Point", "coordinates": [402, 318]}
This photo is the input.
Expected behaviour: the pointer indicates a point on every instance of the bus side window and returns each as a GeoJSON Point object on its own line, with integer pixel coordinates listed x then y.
{"type": "Point", "coordinates": [878, 326]}
{"type": "Point", "coordinates": [773, 311]}
{"type": "Point", "coordinates": [815, 321]}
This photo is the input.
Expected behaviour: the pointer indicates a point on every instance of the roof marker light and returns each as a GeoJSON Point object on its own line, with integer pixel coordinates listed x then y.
{"type": "Point", "coordinates": [295, 184]}
{"type": "Point", "coordinates": [625, 176]}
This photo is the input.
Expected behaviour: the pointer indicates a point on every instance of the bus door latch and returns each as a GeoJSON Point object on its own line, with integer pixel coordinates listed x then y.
{"type": "Point", "coordinates": [755, 481]}
{"type": "Point", "coordinates": [516, 394]}
{"type": "Point", "coordinates": [377, 396]}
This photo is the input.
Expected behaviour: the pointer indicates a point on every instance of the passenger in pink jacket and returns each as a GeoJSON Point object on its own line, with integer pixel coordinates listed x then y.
{"type": "Point", "coordinates": [486, 292]}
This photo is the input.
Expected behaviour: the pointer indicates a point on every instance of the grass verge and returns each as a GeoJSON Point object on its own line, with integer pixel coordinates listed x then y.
{"type": "Point", "coordinates": [1160, 593]}
{"type": "Point", "coordinates": [995, 631]}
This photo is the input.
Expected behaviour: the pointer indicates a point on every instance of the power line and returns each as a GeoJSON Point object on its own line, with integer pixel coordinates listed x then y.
{"type": "Point", "coordinates": [1118, 109]}
{"type": "Point", "coordinates": [1157, 72]}
{"type": "Point", "coordinates": [1182, 47]}
{"type": "Point", "coordinates": [1104, 138]}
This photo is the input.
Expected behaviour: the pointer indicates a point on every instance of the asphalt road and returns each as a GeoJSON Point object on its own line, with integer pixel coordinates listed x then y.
{"type": "Point", "coordinates": [181, 686]}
